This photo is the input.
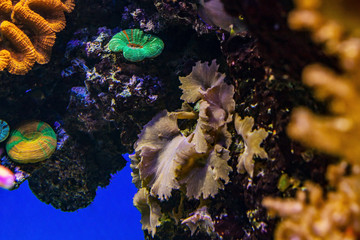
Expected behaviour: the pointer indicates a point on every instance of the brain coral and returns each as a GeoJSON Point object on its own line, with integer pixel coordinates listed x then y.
{"type": "Point", "coordinates": [27, 29]}
{"type": "Point", "coordinates": [4, 130]}
{"type": "Point", "coordinates": [32, 142]}
{"type": "Point", "coordinates": [136, 45]}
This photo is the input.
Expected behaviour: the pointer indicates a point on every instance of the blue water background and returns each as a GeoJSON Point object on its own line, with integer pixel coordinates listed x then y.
{"type": "Point", "coordinates": [111, 216]}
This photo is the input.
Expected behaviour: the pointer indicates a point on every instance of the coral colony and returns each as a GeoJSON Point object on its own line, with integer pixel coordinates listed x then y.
{"type": "Point", "coordinates": [242, 117]}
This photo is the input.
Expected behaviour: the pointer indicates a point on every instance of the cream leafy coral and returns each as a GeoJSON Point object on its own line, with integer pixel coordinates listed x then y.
{"type": "Point", "coordinates": [150, 210]}
{"type": "Point", "coordinates": [252, 140]}
{"type": "Point", "coordinates": [193, 160]}
{"type": "Point", "coordinates": [166, 159]}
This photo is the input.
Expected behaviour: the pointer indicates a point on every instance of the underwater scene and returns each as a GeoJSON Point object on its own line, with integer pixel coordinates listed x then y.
{"type": "Point", "coordinates": [180, 119]}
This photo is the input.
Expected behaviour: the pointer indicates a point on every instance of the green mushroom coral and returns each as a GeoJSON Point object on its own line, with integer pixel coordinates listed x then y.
{"type": "Point", "coordinates": [136, 45]}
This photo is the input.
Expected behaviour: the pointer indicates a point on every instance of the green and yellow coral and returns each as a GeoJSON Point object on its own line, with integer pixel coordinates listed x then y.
{"type": "Point", "coordinates": [136, 45]}
{"type": "Point", "coordinates": [32, 142]}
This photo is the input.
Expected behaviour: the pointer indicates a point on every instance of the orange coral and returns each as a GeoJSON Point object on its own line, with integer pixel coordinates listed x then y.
{"type": "Point", "coordinates": [27, 34]}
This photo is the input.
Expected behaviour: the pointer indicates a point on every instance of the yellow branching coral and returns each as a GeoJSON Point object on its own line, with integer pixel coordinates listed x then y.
{"type": "Point", "coordinates": [313, 216]}
{"type": "Point", "coordinates": [336, 214]}
{"type": "Point", "coordinates": [27, 33]}
{"type": "Point", "coordinates": [339, 133]}
{"type": "Point", "coordinates": [334, 23]}
{"type": "Point", "coordinates": [252, 140]}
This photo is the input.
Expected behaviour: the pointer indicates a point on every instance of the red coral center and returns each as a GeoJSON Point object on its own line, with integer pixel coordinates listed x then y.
{"type": "Point", "coordinates": [134, 45]}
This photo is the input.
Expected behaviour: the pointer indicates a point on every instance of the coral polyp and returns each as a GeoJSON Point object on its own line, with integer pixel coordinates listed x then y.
{"type": "Point", "coordinates": [4, 130]}
{"type": "Point", "coordinates": [32, 142]}
{"type": "Point", "coordinates": [136, 45]}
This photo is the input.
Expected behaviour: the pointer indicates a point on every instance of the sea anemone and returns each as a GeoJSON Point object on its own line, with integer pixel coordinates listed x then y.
{"type": "Point", "coordinates": [7, 178]}
{"type": "Point", "coordinates": [32, 142]}
{"type": "Point", "coordinates": [136, 45]}
{"type": "Point", "coordinates": [4, 130]}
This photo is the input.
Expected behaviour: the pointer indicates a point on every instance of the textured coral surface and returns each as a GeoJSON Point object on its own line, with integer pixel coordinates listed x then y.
{"type": "Point", "coordinates": [28, 30]}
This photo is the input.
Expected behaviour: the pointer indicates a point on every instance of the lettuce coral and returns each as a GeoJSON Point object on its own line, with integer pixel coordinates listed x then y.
{"type": "Point", "coordinates": [193, 159]}
{"type": "Point", "coordinates": [201, 78]}
{"type": "Point", "coordinates": [158, 147]}
{"type": "Point", "coordinates": [252, 141]}
{"type": "Point", "coordinates": [199, 219]}
{"type": "Point", "coordinates": [150, 210]}
{"type": "Point", "coordinates": [165, 159]}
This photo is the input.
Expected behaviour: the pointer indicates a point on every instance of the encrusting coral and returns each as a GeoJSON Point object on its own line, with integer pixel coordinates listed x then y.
{"type": "Point", "coordinates": [28, 34]}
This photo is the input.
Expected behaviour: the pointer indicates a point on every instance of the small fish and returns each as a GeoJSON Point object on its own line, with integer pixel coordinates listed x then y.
{"type": "Point", "coordinates": [213, 13]}
{"type": "Point", "coordinates": [7, 178]}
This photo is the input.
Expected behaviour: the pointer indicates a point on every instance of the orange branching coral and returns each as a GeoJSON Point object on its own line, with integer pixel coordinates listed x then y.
{"type": "Point", "coordinates": [27, 34]}
{"type": "Point", "coordinates": [312, 216]}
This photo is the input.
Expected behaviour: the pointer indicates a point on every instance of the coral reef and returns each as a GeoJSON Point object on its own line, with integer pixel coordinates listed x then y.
{"type": "Point", "coordinates": [70, 178]}
{"type": "Point", "coordinates": [27, 36]}
{"type": "Point", "coordinates": [31, 142]}
{"type": "Point", "coordinates": [248, 128]}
